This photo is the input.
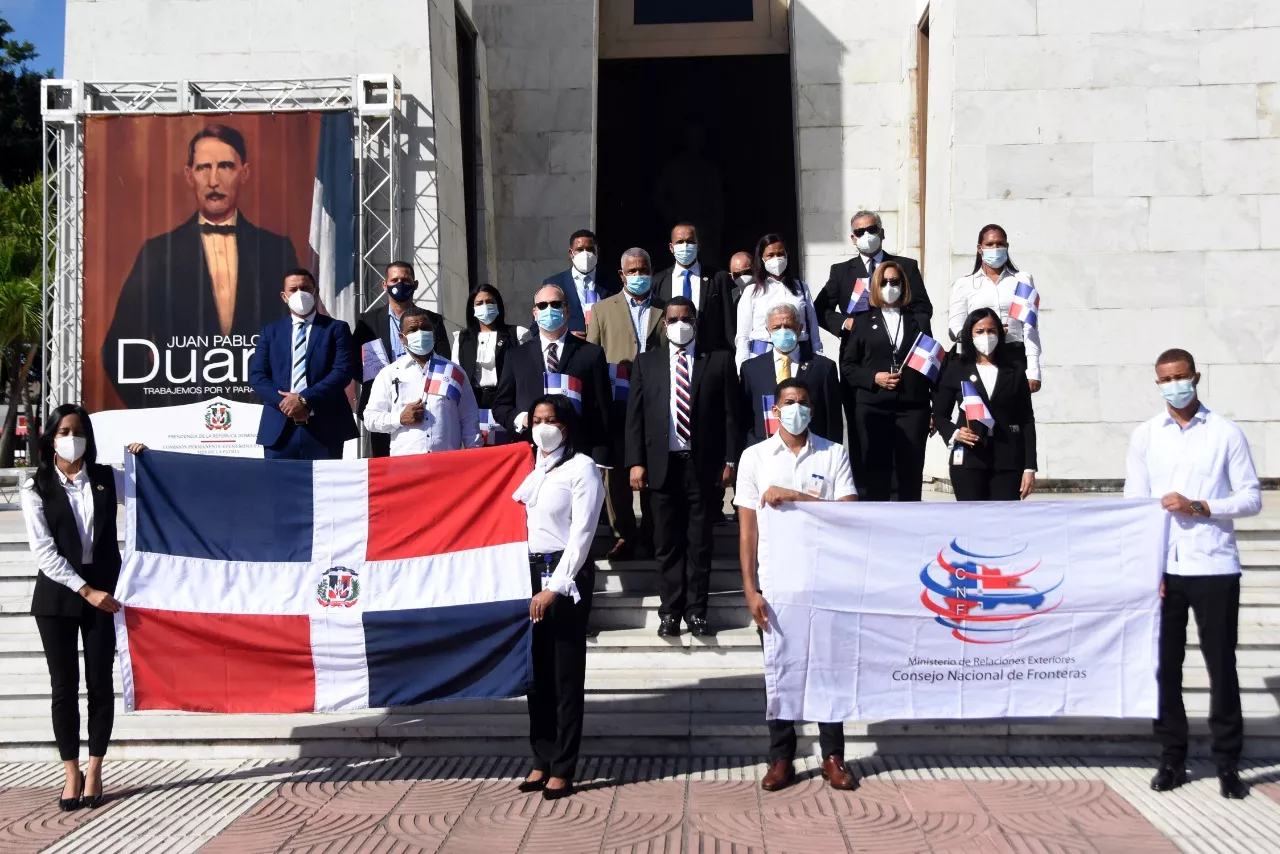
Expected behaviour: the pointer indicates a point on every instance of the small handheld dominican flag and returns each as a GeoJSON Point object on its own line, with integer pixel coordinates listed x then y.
{"type": "Point", "coordinates": [975, 408]}
{"type": "Point", "coordinates": [770, 420]}
{"type": "Point", "coordinates": [759, 348]}
{"type": "Point", "coordinates": [860, 301]}
{"type": "Point", "coordinates": [620, 379]}
{"type": "Point", "coordinates": [445, 378]}
{"type": "Point", "coordinates": [491, 432]}
{"type": "Point", "coordinates": [925, 357]}
{"type": "Point", "coordinates": [570, 387]}
{"type": "Point", "coordinates": [1025, 305]}
{"type": "Point", "coordinates": [589, 300]}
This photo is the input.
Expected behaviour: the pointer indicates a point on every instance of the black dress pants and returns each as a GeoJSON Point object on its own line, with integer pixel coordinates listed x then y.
{"type": "Point", "coordinates": [782, 740]}
{"type": "Point", "coordinates": [1215, 599]}
{"type": "Point", "coordinates": [892, 442]}
{"type": "Point", "coordinates": [620, 502]}
{"type": "Point", "coordinates": [557, 701]}
{"type": "Point", "coordinates": [682, 519]}
{"type": "Point", "coordinates": [985, 485]}
{"type": "Point", "coordinates": [58, 636]}
{"type": "Point", "coordinates": [849, 405]}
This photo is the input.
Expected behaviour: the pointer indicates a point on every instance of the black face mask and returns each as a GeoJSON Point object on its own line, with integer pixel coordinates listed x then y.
{"type": "Point", "coordinates": [401, 291]}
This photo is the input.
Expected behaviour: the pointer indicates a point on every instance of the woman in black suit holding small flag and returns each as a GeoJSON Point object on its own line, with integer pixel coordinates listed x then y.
{"type": "Point", "coordinates": [993, 444]}
{"type": "Point", "coordinates": [892, 404]}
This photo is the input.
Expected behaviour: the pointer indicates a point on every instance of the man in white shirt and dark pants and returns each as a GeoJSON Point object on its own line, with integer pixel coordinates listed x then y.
{"type": "Point", "coordinates": [792, 465]}
{"type": "Point", "coordinates": [424, 401]}
{"type": "Point", "coordinates": [1198, 463]}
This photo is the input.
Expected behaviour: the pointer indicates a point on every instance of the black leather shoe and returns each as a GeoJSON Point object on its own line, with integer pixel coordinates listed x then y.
{"type": "Point", "coordinates": [69, 804]}
{"type": "Point", "coordinates": [557, 794]}
{"type": "Point", "coordinates": [533, 785]}
{"type": "Point", "coordinates": [669, 627]}
{"type": "Point", "coordinates": [1231, 786]}
{"type": "Point", "coordinates": [698, 627]}
{"type": "Point", "coordinates": [1169, 778]}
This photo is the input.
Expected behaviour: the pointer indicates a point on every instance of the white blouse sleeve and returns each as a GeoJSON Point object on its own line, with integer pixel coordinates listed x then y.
{"type": "Point", "coordinates": [587, 497]}
{"type": "Point", "coordinates": [742, 340]}
{"type": "Point", "coordinates": [1031, 339]}
{"type": "Point", "coordinates": [41, 541]}
{"type": "Point", "coordinates": [959, 307]}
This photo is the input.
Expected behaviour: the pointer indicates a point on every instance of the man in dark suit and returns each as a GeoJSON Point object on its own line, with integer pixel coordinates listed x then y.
{"type": "Point", "coordinates": [740, 272]}
{"type": "Point", "coordinates": [683, 441]}
{"type": "Point", "coordinates": [832, 302]}
{"type": "Point", "coordinates": [300, 371]}
{"type": "Point", "coordinates": [210, 284]}
{"type": "Point", "coordinates": [377, 339]}
{"type": "Point", "coordinates": [761, 375]}
{"type": "Point", "coordinates": [556, 362]}
{"type": "Point", "coordinates": [579, 282]}
{"type": "Point", "coordinates": [710, 290]}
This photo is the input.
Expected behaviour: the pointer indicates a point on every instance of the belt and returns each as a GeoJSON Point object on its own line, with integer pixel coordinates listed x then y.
{"type": "Point", "coordinates": [684, 455]}
{"type": "Point", "coordinates": [539, 558]}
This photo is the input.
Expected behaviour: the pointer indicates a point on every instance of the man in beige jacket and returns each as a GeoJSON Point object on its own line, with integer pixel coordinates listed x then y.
{"type": "Point", "coordinates": [625, 325]}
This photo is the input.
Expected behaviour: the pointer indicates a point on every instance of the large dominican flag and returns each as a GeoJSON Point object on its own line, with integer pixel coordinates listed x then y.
{"type": "Point", "coordinates": [291, 586]}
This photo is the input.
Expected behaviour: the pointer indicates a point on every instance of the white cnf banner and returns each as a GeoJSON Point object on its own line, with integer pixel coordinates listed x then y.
{"type": "Point", "coordinates": [218, 426]}
{"type": "Point", "coordinates": [982, 610]}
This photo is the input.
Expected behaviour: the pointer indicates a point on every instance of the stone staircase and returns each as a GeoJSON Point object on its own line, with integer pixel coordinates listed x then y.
{"type": "Point", "coordinates": [645, 695]}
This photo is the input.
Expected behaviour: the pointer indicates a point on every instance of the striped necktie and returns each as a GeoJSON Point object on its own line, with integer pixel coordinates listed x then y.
{"type": "Point", "coordinates": [682, 396]}
{"type": "Point", "coordinates": [299, 359]}
{"type": "Point", "coordinates": [553, 363]}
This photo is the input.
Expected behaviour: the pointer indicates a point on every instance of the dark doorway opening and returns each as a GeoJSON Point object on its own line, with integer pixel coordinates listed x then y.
{"type": "Point", "coordinates": [468, 124]}
{"type": "Point", "coordinates": [683, 139]}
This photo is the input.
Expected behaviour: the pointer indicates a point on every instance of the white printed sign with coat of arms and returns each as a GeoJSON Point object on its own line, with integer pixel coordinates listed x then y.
{"type": "Point", "coordinates": [217, 426]}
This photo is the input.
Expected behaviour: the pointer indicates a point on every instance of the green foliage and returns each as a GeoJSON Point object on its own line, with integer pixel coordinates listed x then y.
{"type": "Point", "coordinates": [20, 123]}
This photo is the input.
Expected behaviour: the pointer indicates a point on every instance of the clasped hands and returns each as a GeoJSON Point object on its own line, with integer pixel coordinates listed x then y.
{"type": "Point", "coordinates": [293, 406]}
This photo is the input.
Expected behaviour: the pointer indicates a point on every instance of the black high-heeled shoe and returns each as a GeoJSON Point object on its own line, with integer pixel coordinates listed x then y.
{"type": "Point", "coordinates": [69, 804]}
{"type": "Point", "coordinates": [527, 786]}
{"type": "Point", "coordinates": [93, 801]}
{"type": "Point", "coordinates": [557, 794]}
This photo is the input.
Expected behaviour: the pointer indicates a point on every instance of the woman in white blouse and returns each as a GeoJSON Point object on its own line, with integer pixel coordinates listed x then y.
{"type": "Point", "coordinates": [482, 347]}
{"type": "Point", "coordinates": [774, 283]}
{"type": "Point", "coordinates": [992, 285]}
{"type": "Point", "coordinates": [70, 512]}
{"type": "Point", "coordinates": [562, 497]}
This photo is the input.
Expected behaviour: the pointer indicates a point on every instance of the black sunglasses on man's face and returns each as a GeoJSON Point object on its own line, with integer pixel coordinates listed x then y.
{"type": "Point", "coordinates": [555, 303]}
{"type": "Point", "coordinates": [871, 229]}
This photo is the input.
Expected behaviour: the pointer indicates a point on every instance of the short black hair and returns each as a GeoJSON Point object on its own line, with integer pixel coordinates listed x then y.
{"type": "Point", "coordinates": [300, 271]}
{"type": "Point", "coordinates": [404, 264]}
{"type": "Point", "coordinates": [792, 382]}
{"type": "Point", "coordinates": [222, 133]}
{"type": "Point", "coordinates": [582, 232]}
{"type": "Point", "coordinates": [1176, 354]}
{"type": "Point", "coordinates": [686, 225]}
{"type": "Point", "coordinates": [413, 311]}
{"type": "Point", "coordinates": [681, 300]}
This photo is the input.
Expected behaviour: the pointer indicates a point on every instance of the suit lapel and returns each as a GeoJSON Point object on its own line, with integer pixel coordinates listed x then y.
{"type": "Point", "coordinates": [384, 329]}
{"type": "Point", "coordinates": [1003, 375]}
{"type": "Point", "coordinates": [695, 377]}
{"type": "Point", "coordinates": [313, 341]}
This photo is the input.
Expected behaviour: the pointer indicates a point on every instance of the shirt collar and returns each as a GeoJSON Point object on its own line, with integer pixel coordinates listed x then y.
{"type": "Point", "coordinates": [547, 342]}
{"type": "Point", "coordinates": [688, 348]}
{"type": "Point", "coordinates": [79, 478]}
{"type": "Point", "coordinates": [235, 219]}
{"type": "Point", "coordinates": [308, 320]}
{"type": "Point", "coordinates": [777, 357]}
{"type": "Point", "coordinates": [642, 303]}
{"type": "Point", "coordinates": [545, 463]}
{"type": "Point", "coordinates": [581, 278]}
{"type": "Point", "coordinates": [1201, 416]}
{"type": "Point", "coordinates": [695, 268]}
{"type": "Point", "coordinates": [780, 447]}
{"type": "Point", "coordinates": [878, 258]}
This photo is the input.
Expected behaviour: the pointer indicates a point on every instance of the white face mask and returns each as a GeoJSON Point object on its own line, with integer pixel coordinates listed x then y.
{"type": "Point", "coordinates": [891, 293]}
{"type": "Point", "coordinates": [547, 437]}
{"type": "Point", "coordinates": [869, 244]}
{"type": "Point", "coordinates": [302, 303]}
{"type": "Point", "coordinates": [70, 448]}
{"type": "Point", "coordinates": [985, 344]}
{"type": "Point", "coordinates": [680, 333]}
{"type": "Point", "coordinates": [776, 266]}
{"type": "Point", "coordinates": [584, 262]}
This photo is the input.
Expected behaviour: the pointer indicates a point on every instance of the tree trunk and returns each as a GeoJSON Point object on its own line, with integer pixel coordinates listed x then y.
{"type": "Point", "coordinates": [16, 381]}
{"type": "Point", "coordinates": [27, 409]}
{"type": "Point", "coordinates": [33, 434]}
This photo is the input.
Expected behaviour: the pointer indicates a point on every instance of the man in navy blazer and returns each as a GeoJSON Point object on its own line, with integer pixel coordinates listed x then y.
{"type": "Point", "coordinates": [761, 375]}
{"type": "Point", "coordinates": [300, 370]}
{"type": "Point", "coordinates": [579, 282]}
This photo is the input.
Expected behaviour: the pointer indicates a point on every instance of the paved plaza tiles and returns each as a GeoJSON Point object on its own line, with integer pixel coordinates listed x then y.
{"type": "Point", "coordinates": [639, 806]}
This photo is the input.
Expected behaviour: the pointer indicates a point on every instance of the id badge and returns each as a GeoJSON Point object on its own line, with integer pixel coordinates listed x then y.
{"type": "Point", "coordinates": [546, 580]}
{"type": "Point", "coordinates": [816, 485]}
{"type": "Point", "coordinates": [957, 456]}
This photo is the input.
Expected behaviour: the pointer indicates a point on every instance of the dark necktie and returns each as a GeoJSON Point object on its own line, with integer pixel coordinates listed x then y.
{"type": "Point", "coordinates": [682, 396]}
{"type": "Point", "coordinates": [210, 228]}
{"type": "Point", "coordinates": [871, 267]}
{"type": "Point", "coordinates": [553, 363]}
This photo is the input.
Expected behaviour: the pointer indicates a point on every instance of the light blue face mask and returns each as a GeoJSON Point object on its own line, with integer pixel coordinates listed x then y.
{"type": "Point", "coordinates": [685, 253]}
{"type": "Point", "coordinates": [784, 339]}
{"type": "Point", "coordinates": [795, 418]}
{"type": "Point", "coordinates": [550, 318]}
{"type": "Point", "coordinates": [486, 313]}
{"type": "Point", "coordinates": [1179, 393]}
{"type": "Point", "coordinates": [638, 286]}
{"type": "Point", "coordinates": [996, 257]}
{"type": "Point", "coordinates": [419, 342]}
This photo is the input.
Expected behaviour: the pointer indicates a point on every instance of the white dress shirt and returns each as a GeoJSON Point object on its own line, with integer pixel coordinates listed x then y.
{"type": "Point", "coordinates": [870, 262]}
{"type": "Point", "coordinates": [977, 291]}
{"type": "Point", "coordinates": [583, 282]}
{"type": "Point", "coordinates": [695, 282]}
{"type": "Point", "coordinates": [640, 319]}
{"type": "Point", "coordinates": [893, 325]}
{"type": "Point", "coordinates": [562, 505]}
{"type": "Point", "coordinates": [446, 425]}
{"type": "Point", "coordinates": [675, 443]}
{"type": "Point", "coordinates": [987, 374]}
{"type": "Point", "coordinates": [794, 363]}
{"type": "Point", "coordinates": [753, 314]}
{"type": "Point", "coordinates": [1207, 461]}
{"type": "Point", "coordinates": [820, 469]}
{"type": "Point", "coordinates": [80, 494]}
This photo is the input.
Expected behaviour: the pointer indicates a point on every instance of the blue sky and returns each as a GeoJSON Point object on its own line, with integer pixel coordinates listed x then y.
{"type": "Point", "coordinates": [41, 22]}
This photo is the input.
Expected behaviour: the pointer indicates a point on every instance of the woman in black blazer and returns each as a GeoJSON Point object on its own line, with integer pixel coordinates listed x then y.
{"type": "Point", "coordinates": [996, 461]}
{"type": "Point", "coordinates": [482, 347]}
{"type": "Point", "coordinates": [892, 404]}
{"type": "Point", "coordinates": [69, 508]}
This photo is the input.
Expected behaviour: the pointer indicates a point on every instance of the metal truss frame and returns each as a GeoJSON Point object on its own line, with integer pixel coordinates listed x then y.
{"type": "Point", "coordinates": [373, 98]}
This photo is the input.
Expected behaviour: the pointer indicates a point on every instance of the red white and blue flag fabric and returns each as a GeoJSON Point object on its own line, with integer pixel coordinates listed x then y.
{"type": "Point", "coordinates": [759, 348]}
{"type": "Point", "coordinates": [491, 432]}
{"type": "Point", "coordinates": [620, 379]}
{"type": "Point", "coordinates": [297, 586]}
{"type": "Point", "coordinates": [925, 357]}
{"type": "Point", "coordinates": [860, 300]}
{"type": "Point", "coordinates": [570, 387]}
{"type": "Point", "coordinates": [975, 408]}
{"type": "Point", "coordinates": [770, 420]}
{"type": "Point", "coordinates": [589, 299]}
{"type": "Point", "coordinates": [1025, 305]}
{"type": "Point", "coordinates": [445, 378]}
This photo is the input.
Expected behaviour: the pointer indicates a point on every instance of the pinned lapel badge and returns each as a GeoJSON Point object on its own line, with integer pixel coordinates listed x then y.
{"type": "Point", "coordinates": [973, 378]}
{"type": "Point", "coordinates": [101, 488]}
{"type": "Point", "coordinates": [874, 326]}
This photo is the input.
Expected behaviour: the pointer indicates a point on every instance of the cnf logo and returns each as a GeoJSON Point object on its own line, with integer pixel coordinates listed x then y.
{"type": "Point", "coordinates": [338, 588]}
{"type": "Point", "coordinates": [217, 417]}
{"type": "Point", "coordinates": [986, 596]}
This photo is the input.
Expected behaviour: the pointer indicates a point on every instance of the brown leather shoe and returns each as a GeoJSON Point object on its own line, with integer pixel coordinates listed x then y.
{"type": "Point", "coordinates": [781, 774]}
{"type": "Point", "coordinates": [837, 775]}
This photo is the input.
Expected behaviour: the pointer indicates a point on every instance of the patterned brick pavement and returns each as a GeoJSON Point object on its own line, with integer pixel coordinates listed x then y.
{"type": "Point", "coordinates": [635, 806]}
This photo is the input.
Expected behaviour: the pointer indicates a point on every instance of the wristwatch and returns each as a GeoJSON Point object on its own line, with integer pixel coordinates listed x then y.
{"type": "Point", "coordinates": [1198, 508]}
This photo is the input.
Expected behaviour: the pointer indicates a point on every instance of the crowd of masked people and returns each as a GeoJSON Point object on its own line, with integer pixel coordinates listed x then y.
{"type": "Point", "coordinates": [675, 386]}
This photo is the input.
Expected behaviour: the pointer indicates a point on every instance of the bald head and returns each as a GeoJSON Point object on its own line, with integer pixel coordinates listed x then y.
{"type": "Point", "coordinates": [740, 263]}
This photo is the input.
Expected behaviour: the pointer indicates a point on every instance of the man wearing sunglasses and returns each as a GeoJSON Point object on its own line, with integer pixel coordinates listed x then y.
{"type": "Point", "coordinates": [556, 362]}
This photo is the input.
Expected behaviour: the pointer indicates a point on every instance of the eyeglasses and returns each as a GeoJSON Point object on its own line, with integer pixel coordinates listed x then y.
{"type": "Point", "coordinates": [889, 281]}
{"type": "Point", "coordinates": [555, 303]}
{"type": "Point", "coordinates": [871, 229]}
